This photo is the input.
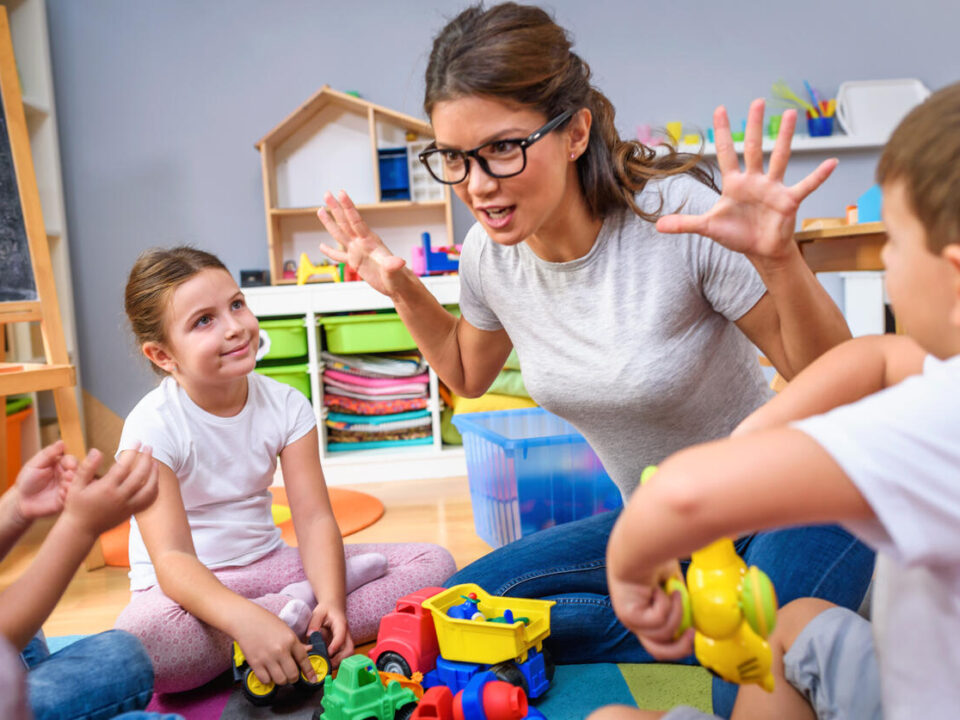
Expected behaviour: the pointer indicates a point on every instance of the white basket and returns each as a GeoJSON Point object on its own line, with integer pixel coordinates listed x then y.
{"type": "Point", "coordinates": [873, 108]}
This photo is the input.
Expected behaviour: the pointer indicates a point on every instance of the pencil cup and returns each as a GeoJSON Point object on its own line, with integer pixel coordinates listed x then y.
{"type": "Point", "coordinates": [819, 126]}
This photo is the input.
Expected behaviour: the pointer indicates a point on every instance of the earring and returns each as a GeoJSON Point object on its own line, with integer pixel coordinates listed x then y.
{"type": "Point", "coordinates": [573, 156]}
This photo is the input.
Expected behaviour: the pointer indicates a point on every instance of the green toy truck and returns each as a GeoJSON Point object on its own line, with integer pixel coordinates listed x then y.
{"type": "Point", "coordinates": [357, 693]}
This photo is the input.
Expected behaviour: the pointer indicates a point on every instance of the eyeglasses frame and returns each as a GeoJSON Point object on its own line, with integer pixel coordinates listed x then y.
{"type": "Point", "coordinates": [524, 143]}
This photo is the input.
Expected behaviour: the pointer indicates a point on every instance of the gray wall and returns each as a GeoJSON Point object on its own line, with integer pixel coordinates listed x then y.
{"type": "Point", "coordinates": [159, 104]}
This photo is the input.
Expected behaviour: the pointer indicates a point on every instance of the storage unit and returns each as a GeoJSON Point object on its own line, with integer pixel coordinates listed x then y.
{"type": "Point", "coordinates": [18, 410]}
{"type": "Point", "coordinates": [370, 333]}
{"type": "Point", "coordinates": [283, 338]}
{"type": "Point", "coordinates": [530, 470]}
{"type": "Point", "coordinates": [296, 375]}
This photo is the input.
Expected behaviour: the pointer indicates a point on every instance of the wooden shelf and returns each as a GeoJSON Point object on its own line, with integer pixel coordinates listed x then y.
{"type": "Point", "coordinates": [801, 143]}
{"type": "Point", "coordinates": [847, 247]}
{"type": "Point", "coordinates": [35, 377]}
{"type": "Point", "coordinates": [364, 207]}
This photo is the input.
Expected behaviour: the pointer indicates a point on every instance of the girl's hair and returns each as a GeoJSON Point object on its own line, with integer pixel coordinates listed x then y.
{"type": "Point", "coordinates": [153, 278]}
{"type": "Point", "coordinates": [518, 53]}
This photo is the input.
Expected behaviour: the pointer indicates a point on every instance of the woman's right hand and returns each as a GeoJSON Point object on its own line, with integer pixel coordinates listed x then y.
{"type": "Point", "coordinates": [273, 651]}
{"type": "Point", "coordinates": [359, 247]}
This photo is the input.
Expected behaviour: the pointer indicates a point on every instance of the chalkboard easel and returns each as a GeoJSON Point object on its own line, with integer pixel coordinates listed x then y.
{"type": "Point", "coordinates": [27, 289]}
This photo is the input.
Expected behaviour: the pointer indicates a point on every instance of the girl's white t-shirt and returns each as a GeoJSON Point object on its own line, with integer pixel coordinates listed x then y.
{"type": "Point", "coordinates": [225, 466]}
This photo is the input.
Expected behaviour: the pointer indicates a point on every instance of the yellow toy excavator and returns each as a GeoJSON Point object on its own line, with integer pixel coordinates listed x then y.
{"type": "Point", "coordinates": [733, 609]}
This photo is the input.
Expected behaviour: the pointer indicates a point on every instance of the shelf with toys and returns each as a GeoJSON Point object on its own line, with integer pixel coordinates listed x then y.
{"type": "Point", "coordinates": [800, 143]}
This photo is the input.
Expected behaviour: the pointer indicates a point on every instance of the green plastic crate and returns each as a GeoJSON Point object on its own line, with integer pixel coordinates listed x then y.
{"type": "Point", "coordinates": [295, 375]}
{"type": "Point", "coordinates": [379, 332]}
{"type": "Point", "coordinates": [288, 338]}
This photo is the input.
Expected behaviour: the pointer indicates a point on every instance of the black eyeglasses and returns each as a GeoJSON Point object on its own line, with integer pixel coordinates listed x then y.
{"type": "Point", "coordinates": [499, 159]}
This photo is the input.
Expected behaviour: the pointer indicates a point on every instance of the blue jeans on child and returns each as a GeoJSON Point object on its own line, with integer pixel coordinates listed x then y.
{"type": "Point", "coordinates": [98, 677]}
{"type": "Point", "coordinates": [567, 564]}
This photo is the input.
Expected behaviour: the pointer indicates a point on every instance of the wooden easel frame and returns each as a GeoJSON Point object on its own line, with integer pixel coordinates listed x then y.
{"type": "Point", "coordinates": [57, 374]}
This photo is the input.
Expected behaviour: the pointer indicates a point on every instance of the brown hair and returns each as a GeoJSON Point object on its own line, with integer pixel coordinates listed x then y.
{"type": "Point", "coordinates": [153, 278]}
{"type": "Point", "coordinates": [924, 153]}
{"type": "Point", "coordinates": [518, 53]}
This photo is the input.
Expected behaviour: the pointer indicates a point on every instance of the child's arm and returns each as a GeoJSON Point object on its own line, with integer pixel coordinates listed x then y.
{"type": "Point", "coordinates": [843, 375]}
{"type": "Point", "coordinates": [91, 507]}
{"type": "Point", "coordinates": [769, 478]}
{"type": "Point", "coordinates": [271, 648]}
{"type": "Point", "coordinates": [319, 540]}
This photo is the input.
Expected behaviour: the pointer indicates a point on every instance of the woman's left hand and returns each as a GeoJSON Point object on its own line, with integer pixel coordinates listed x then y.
{"type": "Point", "coordinates": [332, 623]}
{"type": "Point", "coordinates": [756, 212]}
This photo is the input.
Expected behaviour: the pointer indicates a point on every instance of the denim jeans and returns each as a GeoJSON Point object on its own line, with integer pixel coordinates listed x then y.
{"type": "Point", "coordinates": [567, 564]}
{"type": "Point", "coordinates": [99, 677]}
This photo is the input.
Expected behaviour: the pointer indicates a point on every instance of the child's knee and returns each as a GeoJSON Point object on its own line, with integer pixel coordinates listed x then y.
{"type": "Point", "coordinates": [793, 617]}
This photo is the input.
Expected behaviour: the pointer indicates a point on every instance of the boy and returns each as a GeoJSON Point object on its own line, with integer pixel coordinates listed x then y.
{"type": "Point", "coordinates": [96, 677]}
{"type": "Point", "coordinates": [886, 465]}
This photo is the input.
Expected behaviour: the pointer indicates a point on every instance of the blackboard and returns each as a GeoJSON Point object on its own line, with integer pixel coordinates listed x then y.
{"type": "Point", "coordinates": [16, 270]}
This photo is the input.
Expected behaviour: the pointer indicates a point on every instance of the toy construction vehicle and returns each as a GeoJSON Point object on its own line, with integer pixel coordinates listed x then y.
{"type": "Point", "coordinates": [263, 693]}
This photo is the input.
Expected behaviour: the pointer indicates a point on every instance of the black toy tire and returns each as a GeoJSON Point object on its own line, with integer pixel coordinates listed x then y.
{"type": "Point", "coordinates": [258, 700]}
{"type": "Point", "coordinates": [393, 662]}
{"type": "Point", "coordinates": [548, 665]}
{"type": "Point", "coordinates": [404, 712]}
{"type": "Point", "coordinates": [510, 673]}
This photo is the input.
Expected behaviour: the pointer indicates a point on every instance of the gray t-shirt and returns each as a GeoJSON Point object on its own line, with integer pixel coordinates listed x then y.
{"type": "Point", "coordinates": [633, 343]}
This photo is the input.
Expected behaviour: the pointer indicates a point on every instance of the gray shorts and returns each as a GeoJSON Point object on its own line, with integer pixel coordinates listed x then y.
{"type": "Point", "coordinates": [832, 663]}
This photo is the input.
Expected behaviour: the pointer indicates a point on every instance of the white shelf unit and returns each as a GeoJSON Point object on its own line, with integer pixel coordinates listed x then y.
{"type": "Point", "coordinates": [31, 46]}
{"type": "Point", "coordinates": [799, 144]}
{"type": "Point", "coordinates": [315, 300]}
{"type": "Point", "coordinates": [332, 142]}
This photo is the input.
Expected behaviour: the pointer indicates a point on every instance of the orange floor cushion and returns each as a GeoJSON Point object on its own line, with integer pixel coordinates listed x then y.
{"type": "Point", "coordinates": [354, 511]}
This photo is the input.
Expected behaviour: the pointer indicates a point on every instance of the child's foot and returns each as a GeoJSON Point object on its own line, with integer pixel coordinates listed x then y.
{"type": "Point", "coordinates": [361, 569]}
{"type": "Point", "coordinates": [296, 614]}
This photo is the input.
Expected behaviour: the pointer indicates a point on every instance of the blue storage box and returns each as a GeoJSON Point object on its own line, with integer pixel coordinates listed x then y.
{"type": "Point", "coordinates": [394, 174]}
{"type": "Point", "coordinates": [529, 470]}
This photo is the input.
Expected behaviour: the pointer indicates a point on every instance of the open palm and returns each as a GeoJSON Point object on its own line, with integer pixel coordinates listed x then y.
{"type": "Point", "coordinates": [359, 247]}
{"type": "Point", "coordinates": [756, 212]}
{"type": "Point", "coordinates": [42, 483]}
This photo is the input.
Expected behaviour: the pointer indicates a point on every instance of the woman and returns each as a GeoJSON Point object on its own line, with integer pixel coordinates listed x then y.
{"type": "Point", "coordinates": [638, 328]}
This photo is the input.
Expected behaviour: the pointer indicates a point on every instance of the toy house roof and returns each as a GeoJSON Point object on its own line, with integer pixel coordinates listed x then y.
{"type": "Point", "coordinates": [327, 96]}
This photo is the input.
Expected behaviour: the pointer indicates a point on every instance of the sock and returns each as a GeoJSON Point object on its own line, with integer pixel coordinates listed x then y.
{"type": "Point", "coordinates": [361, 569]}
{"type": "Point", "coordinates": [296, 614]}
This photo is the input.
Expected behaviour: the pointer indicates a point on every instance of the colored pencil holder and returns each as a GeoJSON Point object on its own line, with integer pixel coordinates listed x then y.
{"type": "Point", "coordinates": [819, 126]}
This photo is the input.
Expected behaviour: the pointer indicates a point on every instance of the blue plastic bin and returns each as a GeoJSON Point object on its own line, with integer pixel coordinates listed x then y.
{"type": "Point", "coordinates": [394, 174]}
{"type": "Point", "coordinates": [529, 470]}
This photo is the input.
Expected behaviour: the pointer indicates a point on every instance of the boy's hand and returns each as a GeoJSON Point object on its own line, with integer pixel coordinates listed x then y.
{"type": "Point", "coordinates": [756, 212]}
{"type": "Point", "coordinates": [42, 483]}
{"type": "Point", "coordinates": [273, 651]}
{"type": "Point", "coordinates": [96, 505]}
{"type": "Point", "coordinates": [652, 615]}
{"type": "Point", "coordinates": [332, 623]}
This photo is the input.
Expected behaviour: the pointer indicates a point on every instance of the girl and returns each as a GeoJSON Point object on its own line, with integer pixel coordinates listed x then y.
{"type": "Point", "coordinates": [207, 564]}
{"type": "Point", "coordinates": [643, 340]}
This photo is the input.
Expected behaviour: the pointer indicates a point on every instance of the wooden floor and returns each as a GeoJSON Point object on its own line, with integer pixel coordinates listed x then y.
{"type": "Point", "coordinates": [435, 511]}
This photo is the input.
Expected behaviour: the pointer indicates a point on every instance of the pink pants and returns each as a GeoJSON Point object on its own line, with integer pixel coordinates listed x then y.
{"type": "Point", "coordinates": [187, 653]}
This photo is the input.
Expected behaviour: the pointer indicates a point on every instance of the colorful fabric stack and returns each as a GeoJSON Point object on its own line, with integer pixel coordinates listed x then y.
{"type": "Point", "coordinates": [376, 401]}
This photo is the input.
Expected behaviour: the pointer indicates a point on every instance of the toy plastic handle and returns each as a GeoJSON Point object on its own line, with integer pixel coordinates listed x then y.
{"type": "Point", "coordinates": [671, 586]}
{"type": "Point", "coordinates": [840, 112]}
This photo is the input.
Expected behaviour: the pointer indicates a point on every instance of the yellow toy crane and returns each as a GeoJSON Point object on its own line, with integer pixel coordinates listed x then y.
{"type": "Point", "coordinates": [733, 609]}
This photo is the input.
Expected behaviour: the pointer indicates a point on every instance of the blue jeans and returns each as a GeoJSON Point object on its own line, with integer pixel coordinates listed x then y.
{"type": "Point", "coordinates": [567, 564]}
{"type": "Point", "coordinates": [98, 677]}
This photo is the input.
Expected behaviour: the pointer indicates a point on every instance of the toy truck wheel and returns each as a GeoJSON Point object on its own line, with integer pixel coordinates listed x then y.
{"type": "Point", "coordinates": [548, 665]}
{"type": "Point", "coordinates": [393, 662]}
{"type": "Point", "coordinates": [510, 673]}
{"type": "Point", "coordinates": [320, 661]}
{"type": "Point", "coordinates": [259, 693]}
{"type": "Point", "coordinates": [405, 712]}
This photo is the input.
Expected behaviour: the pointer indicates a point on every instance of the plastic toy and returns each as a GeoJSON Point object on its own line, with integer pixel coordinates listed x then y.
{"type": "Point", "coordinates": [307, 270]}
{"type": "Point", "coordinates": [732, 607]}
{"type": "Point", "coordinates": [289, 270]}
{"type": "Point", "coordinates": [420, 635]}
{"type": "Point", "coordinates": [426, 261]}
{"type": "Point", "coordinates": [263, 693]}
{"type": "Point", "coordinates": [357, 693]}
{"type": "Point", "coordinates": [484, 698]}
{"type": "Point", "coordinates": [870, 205]}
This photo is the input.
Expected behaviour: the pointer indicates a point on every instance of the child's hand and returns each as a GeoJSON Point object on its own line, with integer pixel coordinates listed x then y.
{"type": "Point", "coordinates": [756, 212]}
{"type": "Point", "coordinates": [42, 483]}
{"type": "Point", "coordinates": [359, 247]}
{"type": "Point", "coordinates": [332, 623]}
{"type": "Point", "coordinates": [652, 615]}
{"type": "Point", "coordinates": [274, 652]}
{"type": "Point", "coordinates": [96, 505]}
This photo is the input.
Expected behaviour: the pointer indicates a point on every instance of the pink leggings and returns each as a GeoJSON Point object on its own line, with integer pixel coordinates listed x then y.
{"type": "Point", "coordinates": [187, 653]}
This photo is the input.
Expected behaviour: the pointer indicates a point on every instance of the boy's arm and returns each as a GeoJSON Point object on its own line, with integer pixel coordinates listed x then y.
{"type": "Point", "coordinates": [12, 524]}
{"type": "Point", "coordinates": [842, 375]}
{"type": "Point", "coordinates": [769, 478]}
{"type": "Point", "coordinates": [319, 539]}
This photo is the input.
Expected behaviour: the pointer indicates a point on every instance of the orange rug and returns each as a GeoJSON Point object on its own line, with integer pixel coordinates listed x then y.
{"type": "Point", "coordinates": [353, 511]}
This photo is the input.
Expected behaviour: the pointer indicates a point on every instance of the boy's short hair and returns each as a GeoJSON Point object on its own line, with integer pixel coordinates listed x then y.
{"type": "Point", "coordinates": [924, 153]}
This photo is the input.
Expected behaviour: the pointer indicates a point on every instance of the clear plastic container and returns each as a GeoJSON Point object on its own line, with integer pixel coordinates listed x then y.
{"type": "Point", "coordinates": [530, 470]}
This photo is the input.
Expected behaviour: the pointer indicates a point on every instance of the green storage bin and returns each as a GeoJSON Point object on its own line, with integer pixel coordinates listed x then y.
{"type": "Point", "coordinates": [288, 338]}
{"type": "Point", "coordinates": [379, 332]}
{"type": "Point", "coordinates": [295, 375]}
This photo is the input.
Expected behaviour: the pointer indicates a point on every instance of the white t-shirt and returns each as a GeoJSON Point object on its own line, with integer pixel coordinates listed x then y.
{"type": "Point", "coordinates": [224, 465]}
{"type": "Point", "coordinates": [901, 448]}
{"type": "Point", "coordinates": [634, 343]}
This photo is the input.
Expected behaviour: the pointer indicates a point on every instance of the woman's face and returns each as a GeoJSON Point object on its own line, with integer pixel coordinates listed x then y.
{"type": "Point", "coordinates": [515, 208]}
